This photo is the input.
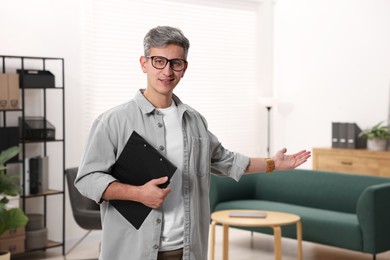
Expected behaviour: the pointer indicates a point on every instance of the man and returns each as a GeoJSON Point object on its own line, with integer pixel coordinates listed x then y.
{"type": "Point", "coordinates": [178, 225]}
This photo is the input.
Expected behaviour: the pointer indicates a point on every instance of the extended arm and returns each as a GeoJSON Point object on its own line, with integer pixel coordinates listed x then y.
{"type": "Point", "coordinates": [282, 161]}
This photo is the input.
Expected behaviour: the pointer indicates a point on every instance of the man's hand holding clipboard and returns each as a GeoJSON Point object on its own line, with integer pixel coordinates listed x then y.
{"type": "Point", "coordinates": [140, 164]}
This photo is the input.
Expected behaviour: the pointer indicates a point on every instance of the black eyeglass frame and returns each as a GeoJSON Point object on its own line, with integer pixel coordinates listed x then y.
{"type": "Point", "coordinates": [168, 61]}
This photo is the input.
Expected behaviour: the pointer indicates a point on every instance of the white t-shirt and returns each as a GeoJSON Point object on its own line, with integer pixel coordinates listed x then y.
{"type": "Point", "coordinates": [173, 206]}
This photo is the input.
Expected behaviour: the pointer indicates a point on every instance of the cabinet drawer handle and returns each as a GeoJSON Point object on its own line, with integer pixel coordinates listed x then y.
{"type": "Point", "coordinates": [347, 163]}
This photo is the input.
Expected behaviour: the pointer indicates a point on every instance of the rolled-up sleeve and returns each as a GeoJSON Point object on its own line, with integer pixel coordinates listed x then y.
{"type": "Point", "coordinates": [225, 162]}
{"type": "Point", "coordinates": [93, 175]}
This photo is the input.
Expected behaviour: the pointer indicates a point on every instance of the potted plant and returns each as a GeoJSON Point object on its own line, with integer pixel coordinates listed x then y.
{"type": "Point", "coordinates": [376, 136]}
{"type": "Point", "coordinates": [10, 218]}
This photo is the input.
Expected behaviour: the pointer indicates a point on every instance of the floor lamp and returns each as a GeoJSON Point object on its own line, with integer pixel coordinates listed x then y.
{"type": "Point", "coordinates": [268, 130]}
{"type": "Point", "coordinates": [268, 102]}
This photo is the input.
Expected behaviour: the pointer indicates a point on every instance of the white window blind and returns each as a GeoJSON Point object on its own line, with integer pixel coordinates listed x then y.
{"type": "Point", "coordinates": [221, 80]}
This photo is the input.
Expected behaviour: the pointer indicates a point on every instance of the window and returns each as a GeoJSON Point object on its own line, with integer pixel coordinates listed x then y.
{"type": "Point", "coordinates": [221, 80]}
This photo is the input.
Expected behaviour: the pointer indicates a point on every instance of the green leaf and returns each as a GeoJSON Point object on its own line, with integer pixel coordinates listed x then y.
{"type": "Point", "coordinates": [12, 218]}
{"type": "Point", "coordinates": [8, 185]}
{"type": "Point", "coordinates": [4, 200]}
{"type": "Point", "coordinates": [8, 154]}
{"type": "Point", "coordinates": [378, 131]}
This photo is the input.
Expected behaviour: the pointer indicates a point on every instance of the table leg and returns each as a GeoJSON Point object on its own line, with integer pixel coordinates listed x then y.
{"type": "Point", "coordinates": [212, 240]}
{"type": "Point", "coordinates": [225, 252]}
{"type": "Point", "coordinates": [299, 238]}
{"type": "Point", "coordinates": [277, 242]}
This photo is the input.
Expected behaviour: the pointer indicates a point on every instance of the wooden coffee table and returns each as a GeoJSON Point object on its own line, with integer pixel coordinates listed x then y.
{"type": "Point", "coordinates": [274, 220]}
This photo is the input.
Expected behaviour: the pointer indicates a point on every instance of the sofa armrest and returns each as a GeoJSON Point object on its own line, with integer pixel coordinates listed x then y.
{"type": "Point", "coordinates": [373, 212]}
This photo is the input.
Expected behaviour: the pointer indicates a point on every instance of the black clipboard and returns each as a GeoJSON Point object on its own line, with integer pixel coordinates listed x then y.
{"type": "Point", "coordinates": [138, 163]}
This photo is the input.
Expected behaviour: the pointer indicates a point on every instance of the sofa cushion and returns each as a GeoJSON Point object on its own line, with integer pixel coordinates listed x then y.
{"type": "Point", "coordinates": [336, 228]}
{"type": "Point", "coordinates": [317, 189]}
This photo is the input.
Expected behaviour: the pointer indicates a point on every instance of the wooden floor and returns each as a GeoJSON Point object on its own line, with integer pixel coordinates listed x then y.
{"type": "Point", "coordinates": [242, 246]}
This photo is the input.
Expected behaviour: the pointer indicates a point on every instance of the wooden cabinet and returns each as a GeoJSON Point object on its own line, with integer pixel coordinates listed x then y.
{"type": "Point", "coordinates": [358, 161]}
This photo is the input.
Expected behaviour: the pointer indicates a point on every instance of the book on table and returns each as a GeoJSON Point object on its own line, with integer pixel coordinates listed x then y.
{"type": "Point", "coordinates": [247, 214]}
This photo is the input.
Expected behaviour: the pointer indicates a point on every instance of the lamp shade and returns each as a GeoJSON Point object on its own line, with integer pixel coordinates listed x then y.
{"type": "Point", "coordinates": [268, 101]}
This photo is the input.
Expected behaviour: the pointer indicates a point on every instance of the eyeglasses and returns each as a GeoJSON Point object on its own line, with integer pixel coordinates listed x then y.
{"type": "Point", "coordinates": [159, 62]}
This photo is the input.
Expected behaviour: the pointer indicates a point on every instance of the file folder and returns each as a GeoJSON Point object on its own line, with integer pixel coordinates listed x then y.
{"type": "Point", "coordinates": [343, 135]}
{"type": "Point", "coordinates": [335, 134]}
{"type": "Point", "coordinates": [138, 163]}
{"type": "Point", "coordinates": [353, 139]}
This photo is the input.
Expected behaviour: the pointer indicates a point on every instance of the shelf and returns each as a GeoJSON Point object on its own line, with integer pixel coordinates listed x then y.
{"type": "Point", "coordinates": [46, 193]}
{"type": "Point", "coordinates": [41, 141]}
{"type": "Point", "coordinates": [11, 110]}
{"type": "Point", "coordinates": [50, 244]}
{"type": "Point", "coordinates": [29, 57]}
{"type": "Point", "coordinates": [54, 88]}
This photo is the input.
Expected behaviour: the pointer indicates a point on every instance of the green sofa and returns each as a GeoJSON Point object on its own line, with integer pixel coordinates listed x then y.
{"type": "Point", "coordinates": [342, 210]}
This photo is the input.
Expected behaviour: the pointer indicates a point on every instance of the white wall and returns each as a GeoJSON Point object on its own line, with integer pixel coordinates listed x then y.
{"type": "Point", "coordinates": [50, 28]}
{"type": "Point", "coordinates": [332, 63]}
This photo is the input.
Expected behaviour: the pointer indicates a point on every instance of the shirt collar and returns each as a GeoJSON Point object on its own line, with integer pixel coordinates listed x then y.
{"type": "Point", "coordinates": [147, 108]}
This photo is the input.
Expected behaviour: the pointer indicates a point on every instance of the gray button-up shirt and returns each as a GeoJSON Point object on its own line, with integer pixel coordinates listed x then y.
{"type": "Point", "coordinates": [203, 154]}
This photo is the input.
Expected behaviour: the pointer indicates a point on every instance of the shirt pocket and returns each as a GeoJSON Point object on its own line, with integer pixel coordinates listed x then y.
{"type": "Point", "coordinates": [200, 156]}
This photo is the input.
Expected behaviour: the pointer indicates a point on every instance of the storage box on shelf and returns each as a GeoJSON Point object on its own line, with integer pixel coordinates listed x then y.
{"type": "Point", "coordinates": [13, 241]}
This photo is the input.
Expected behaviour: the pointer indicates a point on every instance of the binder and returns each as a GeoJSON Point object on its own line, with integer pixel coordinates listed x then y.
{"type": "Point", "coordinates": [353, 139]}
{"type": "Point", "coordinates": [37, 176]}
{"type": "Point", "coordinates": [138, 163]}
{"type": "Point", "coordinates": [26, 176]}
{"type": "Point", "coordinates": [335, 134]}
{"type": "Point", "coordinates": [343, 135]}
{"type": "Point", "coordinates": [34, 174]}
{"type": "Point", "coordinates": [43, 178]}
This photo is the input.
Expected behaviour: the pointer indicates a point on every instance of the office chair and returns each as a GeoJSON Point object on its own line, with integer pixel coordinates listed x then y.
{"type": "Point", "coordinates": [86, 212]}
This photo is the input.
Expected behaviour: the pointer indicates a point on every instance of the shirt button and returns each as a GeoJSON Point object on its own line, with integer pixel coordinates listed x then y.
{"type": "Point", "coordinates": [158, 221]}
{"type": "Point", "coordinates": [155, 247]}
{"type": "Point", "coordinates": [161, 148]}
{"type": "Point", "coordinates": [160, 125]}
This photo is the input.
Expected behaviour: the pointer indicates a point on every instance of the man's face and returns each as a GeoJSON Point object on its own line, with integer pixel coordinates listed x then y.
{"type": "Point", "coordinates": [163, 81]}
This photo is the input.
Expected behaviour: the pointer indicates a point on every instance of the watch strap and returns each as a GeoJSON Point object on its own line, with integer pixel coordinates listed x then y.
{"type": "Point", "coordinates": [270, 165]}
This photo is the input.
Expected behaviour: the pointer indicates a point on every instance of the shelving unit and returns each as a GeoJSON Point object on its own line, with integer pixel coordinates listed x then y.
{"type": "Point", "coordinates": [53, 148]}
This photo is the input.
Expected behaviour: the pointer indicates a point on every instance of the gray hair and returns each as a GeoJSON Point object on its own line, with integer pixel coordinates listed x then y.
{"type": "Point", "coordinates": [161, 36]}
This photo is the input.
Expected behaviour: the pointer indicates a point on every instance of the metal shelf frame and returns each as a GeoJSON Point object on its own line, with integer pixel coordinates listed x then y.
{"type": "Point", "coordinates": [23, 141]}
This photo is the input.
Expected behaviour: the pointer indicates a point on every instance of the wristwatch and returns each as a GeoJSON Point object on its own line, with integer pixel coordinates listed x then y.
{"type": "Point", "coordinates": [270, 165]}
